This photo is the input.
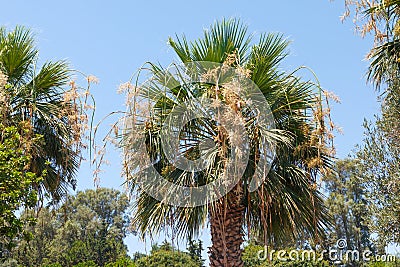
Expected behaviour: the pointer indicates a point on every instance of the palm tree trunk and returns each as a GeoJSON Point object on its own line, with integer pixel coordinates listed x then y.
{"type": "Point", "coordinates": [226, 219]}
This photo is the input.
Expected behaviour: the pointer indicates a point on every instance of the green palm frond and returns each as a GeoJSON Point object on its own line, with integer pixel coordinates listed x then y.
{"type": "Point", "coordinates": [384, 61]}
{"type": "Point", "coordinates": [223, 39]}
{"type": "Point", "coordinates": [18, 54]}
{"type": "Point", "coordinates": [264, 60]}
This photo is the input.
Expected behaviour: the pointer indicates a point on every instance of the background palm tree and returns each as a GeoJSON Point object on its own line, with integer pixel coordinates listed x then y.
{"type": "Point", "coordinates": [287, 205]}
{"type": "Point", "coordinates": [36, 96]}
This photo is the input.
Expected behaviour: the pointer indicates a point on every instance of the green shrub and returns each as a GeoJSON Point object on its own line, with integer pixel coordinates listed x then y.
{"type": "Point", "coordinates": [123, 262]}
{"type": "Point", "coordinates": [165, 258]}
{"type": "Point", "coordinates": [250, 255]}
{"type": "Point", "coordinates": [52, 265]}
{"type": "Point", "coordinates": [9, 263]}
{"type": "Point", "coordinates": [383, 264]}
{"type": "Point", "coordinates": [86, 264]}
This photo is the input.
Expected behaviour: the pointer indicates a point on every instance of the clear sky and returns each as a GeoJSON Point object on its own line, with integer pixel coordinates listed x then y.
{"type": "Point", "coordinates": [112, 39]}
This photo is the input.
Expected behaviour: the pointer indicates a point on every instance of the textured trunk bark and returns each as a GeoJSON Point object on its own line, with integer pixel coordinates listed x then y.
{"type": "Point", "coordinates": [226, 220]}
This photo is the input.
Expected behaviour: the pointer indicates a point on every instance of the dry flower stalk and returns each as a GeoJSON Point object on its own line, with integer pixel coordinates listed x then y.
{"type": "Point", "coordinates": [365, 24]}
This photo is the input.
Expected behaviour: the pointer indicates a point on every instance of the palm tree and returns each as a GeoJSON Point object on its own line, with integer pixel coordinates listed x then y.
{"type": "Point", "coordinates": [35, 97]}
{"type": "Point", "coordinates": [287, 204]}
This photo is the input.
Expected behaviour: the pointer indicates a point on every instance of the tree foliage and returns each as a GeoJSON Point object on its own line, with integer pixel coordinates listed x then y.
{"type": "Point", "coordinates": [348, 203]}
{"type": "Point", "coordinates": [379, 153]}
{"type": "Point", "coordinates": [195, 248]}
{"type": "Point", "coordinates": [380, 165]}
{"type": "Point", "coordinates": [166, 255]}
{"type": "Point", "coordinates": [17, 184]}
{"type": "Point", "coordinates": [90, 226]}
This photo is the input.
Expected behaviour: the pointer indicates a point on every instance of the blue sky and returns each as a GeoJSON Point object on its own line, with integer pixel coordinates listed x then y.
{"type": "Point", "coordinates": [111, 40]}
